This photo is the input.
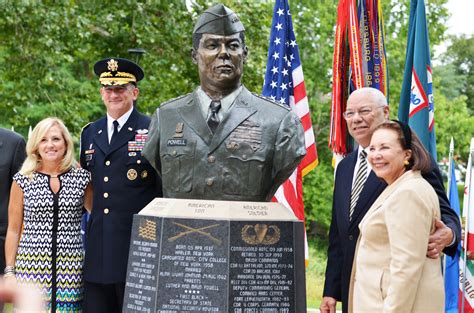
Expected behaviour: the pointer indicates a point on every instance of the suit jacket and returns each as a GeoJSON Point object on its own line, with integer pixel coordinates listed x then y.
{"type": "Point", "coordinates": [255, 148]}
{"type": "Point", "coordinates": [123, 183]}
{"type": "Point", "coordinates": [343, 234]}
{"type": "Point", "coordinates": [12, 155]}
{"type": "Point", "coordinates": [391, 272]}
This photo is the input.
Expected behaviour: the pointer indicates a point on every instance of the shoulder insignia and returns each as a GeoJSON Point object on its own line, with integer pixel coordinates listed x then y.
{"type": "Point", "coordinates": [268, 99]}
{"type": "Point", "coordinates": [173, 100]}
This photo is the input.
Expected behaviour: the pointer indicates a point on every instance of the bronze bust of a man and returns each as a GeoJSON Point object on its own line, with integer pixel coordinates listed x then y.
{"type": "Point", "coordinates": [222, 142]}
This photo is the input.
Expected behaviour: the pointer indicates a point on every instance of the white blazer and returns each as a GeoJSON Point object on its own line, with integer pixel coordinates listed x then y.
{"type": "Point", "coordinates": [391, 273]}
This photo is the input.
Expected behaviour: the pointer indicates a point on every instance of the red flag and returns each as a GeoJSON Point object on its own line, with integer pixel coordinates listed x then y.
{"type": "Point", "coordinates": [359, 60]}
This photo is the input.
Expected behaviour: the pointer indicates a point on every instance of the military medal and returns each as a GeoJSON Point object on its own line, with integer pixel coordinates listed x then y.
{"type": "Point", "coordinates": [232, 146]}
{"type": "Point", "coordinates": [140, 138]}
{"type": "Point", "coordinates": [144, 174]}
{"type": "Point", "coordinates": [132, 174]}
{"type": "Point", "coordinates": [89, 153]}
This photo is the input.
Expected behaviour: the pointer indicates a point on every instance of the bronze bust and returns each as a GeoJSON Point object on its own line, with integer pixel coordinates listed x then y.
{"type": "Point", "coordinates": [222, 142]}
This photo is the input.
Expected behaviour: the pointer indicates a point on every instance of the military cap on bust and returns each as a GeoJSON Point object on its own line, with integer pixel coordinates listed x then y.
{"type": "Point", "coordinates": [218, 20]}
{"type": "Point", "coordinates": [117, 71]}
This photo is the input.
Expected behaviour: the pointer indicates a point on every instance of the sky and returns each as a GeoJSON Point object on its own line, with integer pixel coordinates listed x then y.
{"type": "Point", "coordinates": [460, 22]}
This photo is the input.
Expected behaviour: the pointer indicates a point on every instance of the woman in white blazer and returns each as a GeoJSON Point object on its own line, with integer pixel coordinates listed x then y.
{"type": "Point", "coordinates": [391, 273]}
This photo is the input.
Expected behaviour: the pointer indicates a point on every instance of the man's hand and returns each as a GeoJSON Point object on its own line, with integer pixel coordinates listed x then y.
{"type": "Point", "coordinates": [442, 237]}
{"type": "Point", "coordinates": [328, 305]}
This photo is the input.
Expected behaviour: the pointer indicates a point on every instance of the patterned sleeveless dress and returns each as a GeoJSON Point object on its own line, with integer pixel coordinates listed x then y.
{"type": "Point", "coordinates": [50, 253]}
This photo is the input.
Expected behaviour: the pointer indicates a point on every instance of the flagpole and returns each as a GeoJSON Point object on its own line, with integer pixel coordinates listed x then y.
{"type": "Point", "coordinates": [466, 227]}
{"type": "Point", "coordinates": [451, 154]}
{"type": "Point", "coordinates": [450, 161]}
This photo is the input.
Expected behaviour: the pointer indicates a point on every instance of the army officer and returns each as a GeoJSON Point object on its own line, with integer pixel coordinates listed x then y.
{"type": "Point", "coordinates": [123, 183]}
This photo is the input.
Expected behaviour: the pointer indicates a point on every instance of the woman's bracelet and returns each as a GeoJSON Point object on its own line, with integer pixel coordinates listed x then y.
{"type": "Point", "coordinates": [9, 271]}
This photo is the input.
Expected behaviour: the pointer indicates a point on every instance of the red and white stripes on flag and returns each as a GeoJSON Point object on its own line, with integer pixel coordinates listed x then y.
{"type": "Point", "coordinates": [284, 83]}
{"type": "Point", "coordinates": [468, 203]}
{"type": "Point", "coordinates": [466, 265]}
{"type": "Point", "coordinates": [290, 193]}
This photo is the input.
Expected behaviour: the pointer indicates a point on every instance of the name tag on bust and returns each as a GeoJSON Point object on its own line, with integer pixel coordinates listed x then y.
{"type": "Point", "coordinates": [176, 142]}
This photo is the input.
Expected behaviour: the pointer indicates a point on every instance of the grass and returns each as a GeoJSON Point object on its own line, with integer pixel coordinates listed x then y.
{"type": "Point", "coordinates": [315, 273]}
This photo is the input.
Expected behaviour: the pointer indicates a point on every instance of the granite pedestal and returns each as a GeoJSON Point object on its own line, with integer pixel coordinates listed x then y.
{"type": "Point", "coordinates": [215, 256]}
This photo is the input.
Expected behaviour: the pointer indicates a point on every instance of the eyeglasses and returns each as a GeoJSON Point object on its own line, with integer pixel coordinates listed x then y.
{"type": "Point", "coordinates": [362, 112]}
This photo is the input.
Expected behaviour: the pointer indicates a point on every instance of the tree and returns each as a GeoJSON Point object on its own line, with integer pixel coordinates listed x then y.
{"type": "Point", "coordinates": [48, 50]}
{"type": "Point", "coordinates": [455, 122]}
{"type": "Point", "coordinates": [460, 56]}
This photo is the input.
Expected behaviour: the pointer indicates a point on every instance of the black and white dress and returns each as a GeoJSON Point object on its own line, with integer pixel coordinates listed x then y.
{"type": "Point", "coordinates": [50, 252]}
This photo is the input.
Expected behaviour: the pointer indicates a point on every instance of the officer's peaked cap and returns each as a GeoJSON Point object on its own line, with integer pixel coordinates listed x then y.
{"type": "Point", "coordinates": [218, 20]}
{"type": "Point", "coordinates": [117, 71]}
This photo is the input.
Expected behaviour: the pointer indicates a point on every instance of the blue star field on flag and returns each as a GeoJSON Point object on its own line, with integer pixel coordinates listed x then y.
{"type": "Point", "coordinates": [283, 56]}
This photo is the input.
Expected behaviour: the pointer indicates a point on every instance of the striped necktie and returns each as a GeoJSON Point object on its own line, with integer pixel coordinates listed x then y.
{"type": "Point", "coordinates": [359, 182]}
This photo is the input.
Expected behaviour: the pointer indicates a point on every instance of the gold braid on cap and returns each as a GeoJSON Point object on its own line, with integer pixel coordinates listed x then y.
{"type": "Point", "coordinates": [120, 78]}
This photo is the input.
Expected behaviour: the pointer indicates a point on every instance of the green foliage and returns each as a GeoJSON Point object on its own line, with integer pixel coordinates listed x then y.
{"type": "Point", "coordinates": [49, 47]}
{"type": "Point", "coordinates": [317, 188]}
{"type": "Point", "coordinates": [456, 123]}
{"type": "Point", "coordinates": [315, 272]}
{"type": "Point", "coordinates": [454, 92]}
{"type": "Point", "coordinates": [460, 56]}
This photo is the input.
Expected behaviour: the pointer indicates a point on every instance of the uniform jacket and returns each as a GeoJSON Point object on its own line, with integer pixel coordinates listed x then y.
{"type": "Point", "coordinates": [123, 183]}
{"type": "Point", "coordinates": [255, 148]}
{"type": "Point", "coordinates": [387, 276]}
{"type": "Point", "coordinates": [343, 234]}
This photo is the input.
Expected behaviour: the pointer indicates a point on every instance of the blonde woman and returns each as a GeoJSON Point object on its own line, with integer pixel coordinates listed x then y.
{"type": "Point", "coordinates": [43, 243]}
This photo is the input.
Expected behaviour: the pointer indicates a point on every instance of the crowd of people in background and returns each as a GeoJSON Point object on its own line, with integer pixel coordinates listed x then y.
{"type": "Point", "coordinates": [391, 219]}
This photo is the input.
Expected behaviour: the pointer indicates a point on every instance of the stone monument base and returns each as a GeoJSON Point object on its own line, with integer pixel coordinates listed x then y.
{"type": "Point", "coordinates": [215, 256]}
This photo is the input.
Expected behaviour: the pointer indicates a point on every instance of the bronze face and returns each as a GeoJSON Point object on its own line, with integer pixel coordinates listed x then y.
{"type": "Point", "coordinates": [220, 61]}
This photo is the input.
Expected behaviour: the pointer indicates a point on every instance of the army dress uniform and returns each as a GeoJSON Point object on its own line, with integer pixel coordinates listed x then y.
{"type": "Point", "coordinates": [254, 149]}
{"type": "Point", "coordinates": [123, 181]}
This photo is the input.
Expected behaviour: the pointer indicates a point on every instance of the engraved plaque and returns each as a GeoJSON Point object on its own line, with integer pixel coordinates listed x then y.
{"type": "Point", "coordinates": [215, 256]}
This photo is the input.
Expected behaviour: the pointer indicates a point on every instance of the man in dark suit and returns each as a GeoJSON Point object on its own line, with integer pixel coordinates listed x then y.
{"type": "Point", "coordinates": [221, 141]}
{"type": "Point", "coordinates": [12, 155]}
{"type": "Point", "coordinates": [123, 183]}
{"type": "Point", "coordinates": [366, 109]}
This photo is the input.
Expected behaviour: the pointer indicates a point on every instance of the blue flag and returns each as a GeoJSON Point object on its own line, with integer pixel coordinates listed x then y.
{"type": "Point", "coordinates": [416, 99]}
{"type": "Point", "coordinates": [451, 274]}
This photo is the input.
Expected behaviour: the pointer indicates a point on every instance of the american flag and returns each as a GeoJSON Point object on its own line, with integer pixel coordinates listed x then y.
{"type": "Point", "coordinates": [284, 83]}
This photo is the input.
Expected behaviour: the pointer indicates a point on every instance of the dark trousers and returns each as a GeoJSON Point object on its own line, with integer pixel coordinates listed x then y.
{"type": "Point", "coordinates": [2, 253]}
{"type": "Point", "coordinates": [103, 298]}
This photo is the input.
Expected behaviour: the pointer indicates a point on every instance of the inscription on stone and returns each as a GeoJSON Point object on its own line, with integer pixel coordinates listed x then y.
{"type": "Point", "coordinates": [261, 268]}
{"type": "Point", "coordinates": [193, 266]}
{"type": "Point", "coordinates": [142, 266]}
{"type": "Point", "coordinates": [213, 261]}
